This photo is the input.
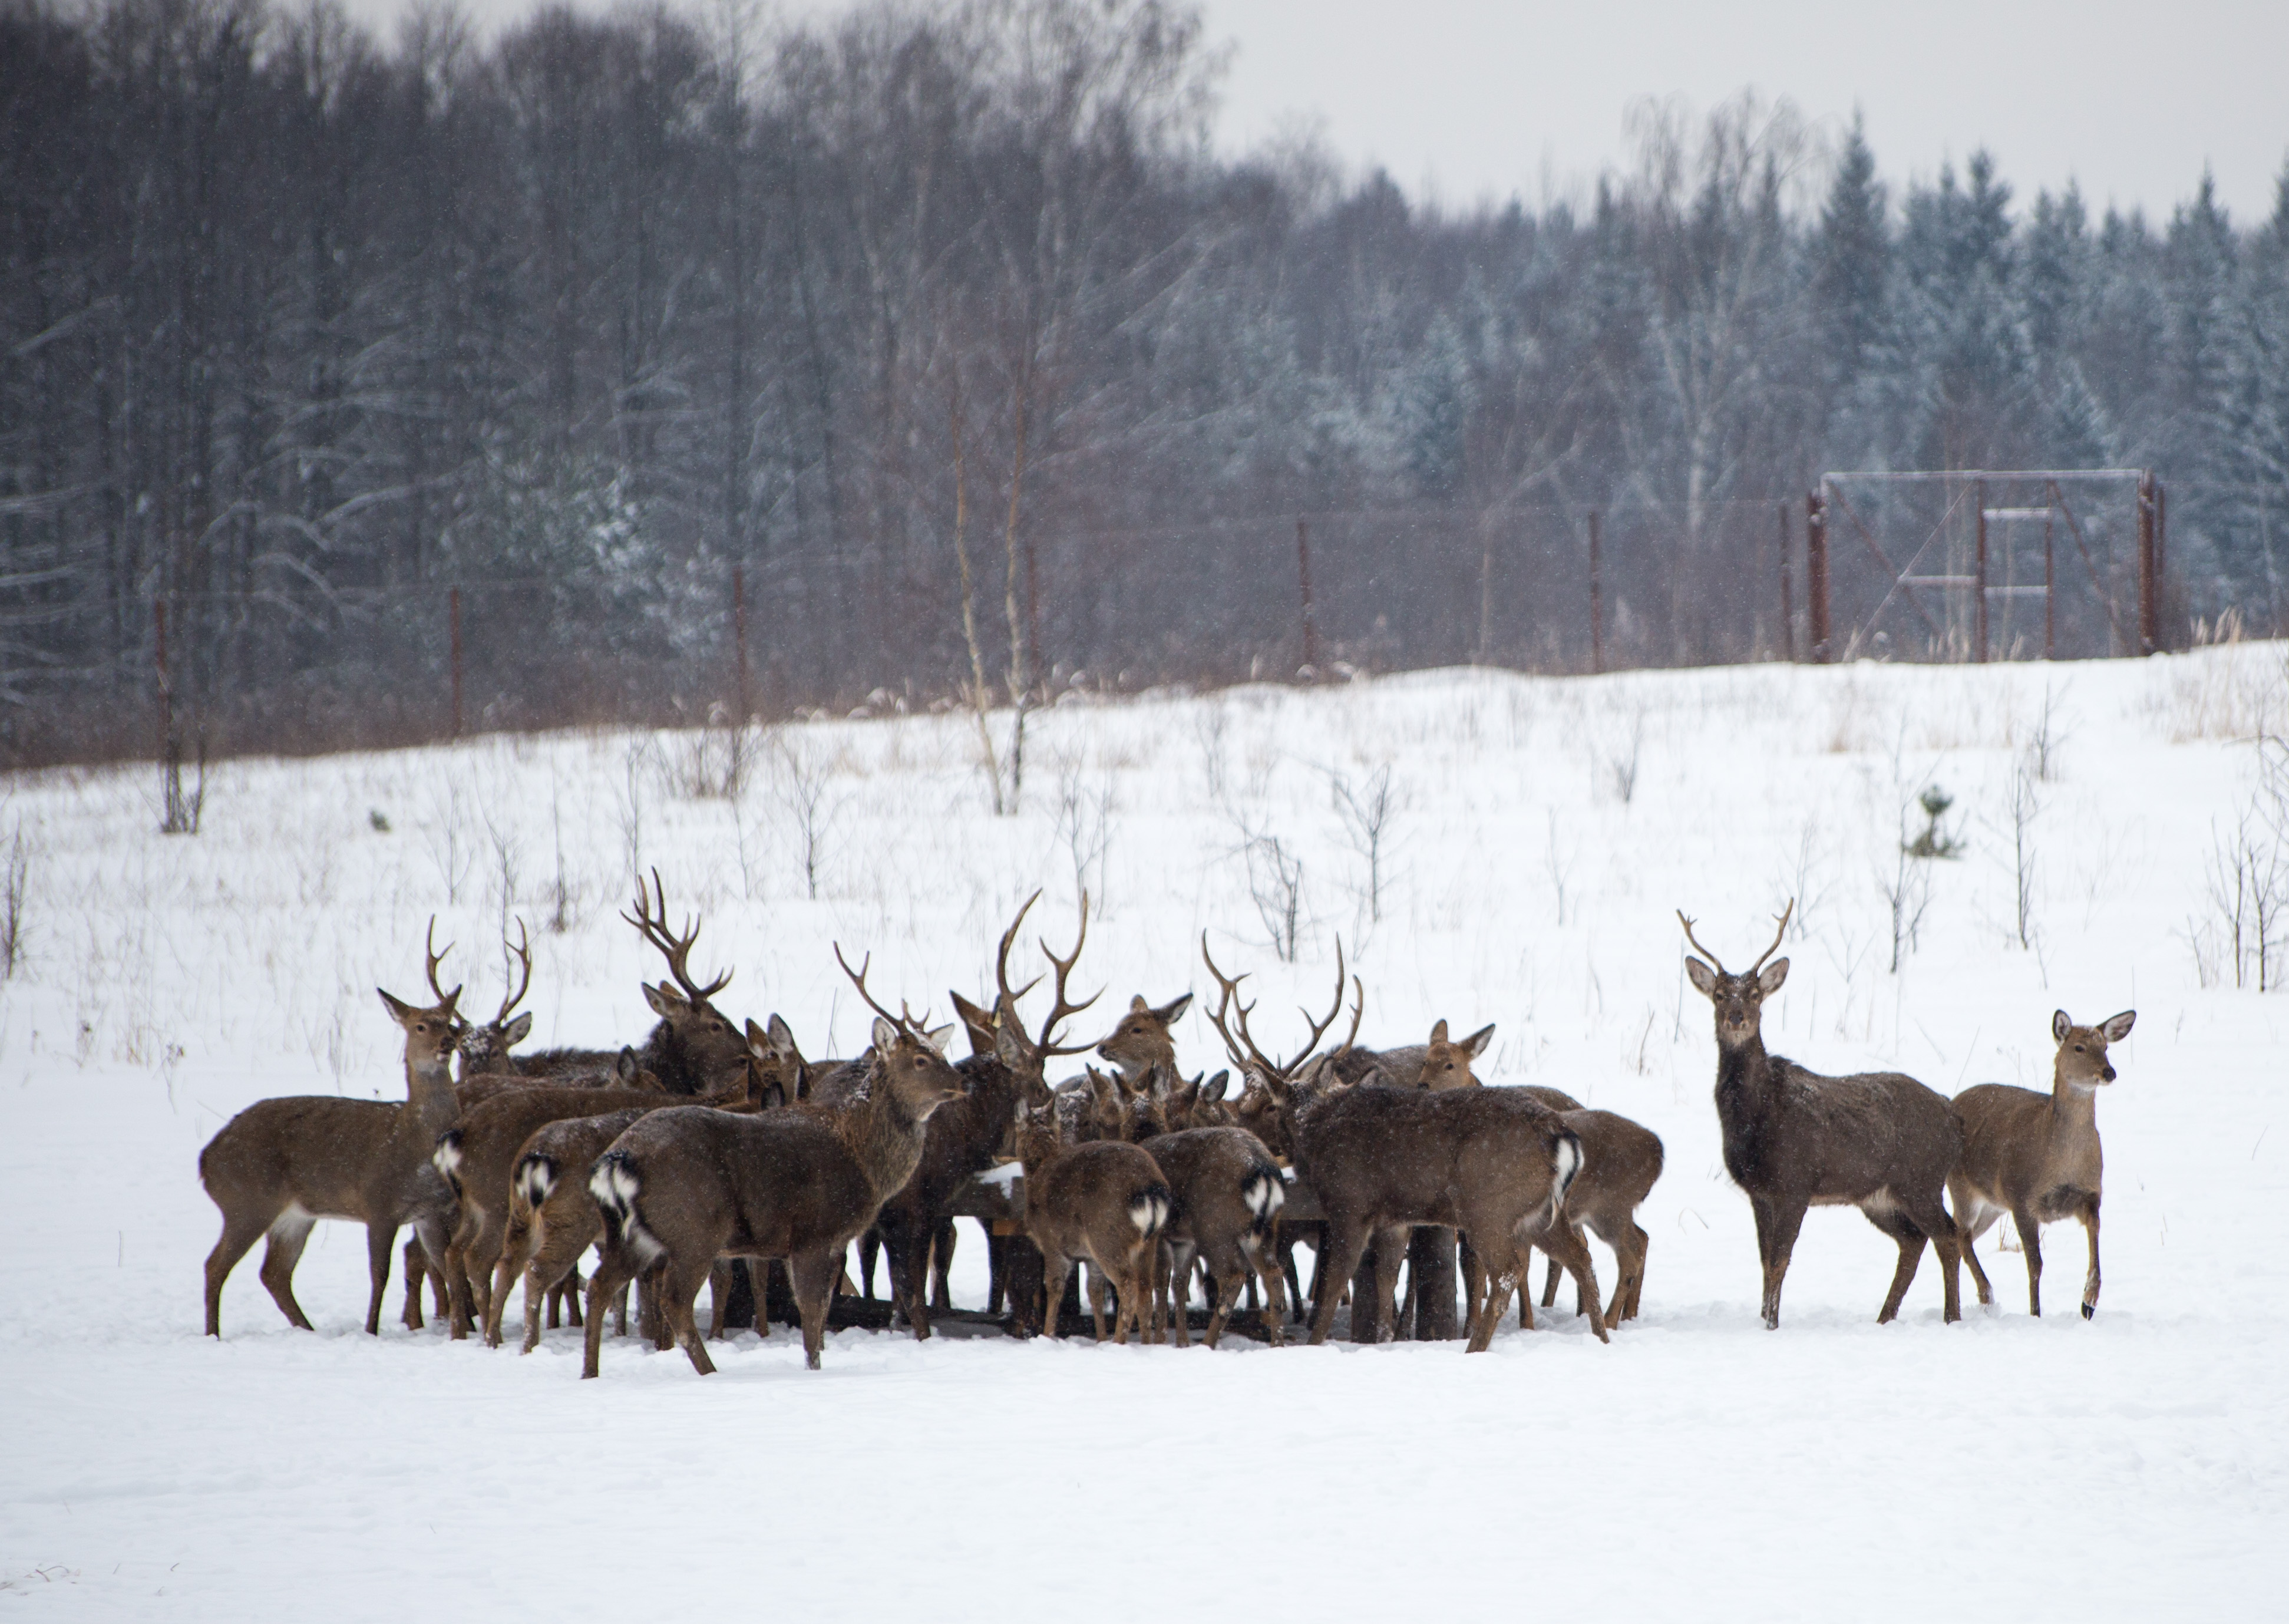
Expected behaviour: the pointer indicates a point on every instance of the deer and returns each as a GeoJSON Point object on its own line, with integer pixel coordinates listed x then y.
{"type": "Point", "coordinates": [484, 1046]}
{"type": "Point", "coordinates": [687, 1185]}
{"type": "Point", "coordinates": [1489, 1162]}
{"type": "Point", "coordinates": [964, 1137]}
{"type": "Point", "coordinates": [1793, 1139]}
{"type": "Point", "coordinates": [1142, 1041]}
{"type": "Point", "coordinates": [695, 1048]}
{"type": "Point", "coordinates": [1225, 1195]}
{"type": "Point", "coordinates": [552, 1218]}
{"type": "Point", "coordinates": [282, 1165]}
{"type": "Point", "coordinates": [477, 1155]}
{"type": "Point", "coordinates": [1104, 1201]}
{"type": "Point", "coordinates": [2037, 1155]}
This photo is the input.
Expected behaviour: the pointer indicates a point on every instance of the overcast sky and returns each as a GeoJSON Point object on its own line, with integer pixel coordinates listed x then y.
{"type": "Point", "coordinates": [1482, 99]}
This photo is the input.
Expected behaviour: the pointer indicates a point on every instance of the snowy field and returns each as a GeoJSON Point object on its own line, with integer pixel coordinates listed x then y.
{"type": "Point", "coordinates": [1541, 835]}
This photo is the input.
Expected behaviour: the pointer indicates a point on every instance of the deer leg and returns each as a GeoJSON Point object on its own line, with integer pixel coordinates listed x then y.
{"type": "Point", "coordinates": [239, 1235]}
{"type": "Point", "coordinates": [676, 1289]}
{"type": "Point", "coordinates": [1339, 1257]}
{"type": "Point", "coordinates": [1391, 1247]}
{"type": "Point", "coordinates": [2090, 1281]}
{"type": "Point", "coordinates": [1564, 1244]}
{"type": "Point", "coordinates": [1902, 1229]}
{"type": "Point", "coordinates": [1973, 1218]}
{"type": "Point", "coordinates": [1263, 1254]}
{"type": "Point", "coordinates": [1929, 1214]}
{"type": "Point", "coordinates": [908, 1271]}
{"type": "Point", "coordinates": [611, 1275]}
{"type": "Point", "coordinates": [290, 1232]}
{"type": "Point", "coordinates": [417, 1271]}
{"type": "Point", "coordinates": [380, 1242]}
{"type": "Point", "coordinates": [869, 1247]}
{"type": "Point", "coordinates": [2031, 1239]}
{"type": "Point", "coordinates": [1776, 1232]}
{"type": "Point", "coordinates": [1502, 1275]}
{"type": "Point", "coordinates": [1629, 1259]}
{"type": "Point", "coordinates": [942, 1244]}
{"type": "Point", "coordinates": [507, 1268]}
{"type": "Point", "coordinates": [997, 1283]}
{"type": "Point", "coordinates": [1099, 1289]}
{"type": "Point", "coordinates": [1056, 1268]}
{"type": "Point", "coordinates": [814, 1276]}
{"type": "Point", "coordinates": [1550, 1287]}
{"type": "Point", "coordinates": [719, 1296]}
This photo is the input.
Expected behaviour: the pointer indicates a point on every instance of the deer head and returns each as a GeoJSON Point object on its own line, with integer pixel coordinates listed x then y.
{"type": "Point", "coordinates": [711, 1045]}
{"type": "Point", "coordinates": [2082, 1064]}
{"type": "Point", "coordinates": [909, 1054]}
{"type": "Point", "coordinates": [431, 1034]}
{"type": "Point", "coordinates": [1448, 1064]}
{"type": "Point", "coordinates": [1028, 1053]}
{"type": "Point", "coordinates": [1141, 1040]}
{"type": "Point", "coordinates": [1739, 999]}
{"type": "Point", "coordinates": [484, 1046]}
{"type": "Point", "coordinates": [1306, 1069]}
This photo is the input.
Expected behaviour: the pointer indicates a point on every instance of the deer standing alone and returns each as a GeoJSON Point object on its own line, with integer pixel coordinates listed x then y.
{"type": "Point", "coordinates": [1793, 1139]}
{"type": "Point", "coordinates": [2036, 1155]}
{"type": "Point", "coordinates": [280, 1166]}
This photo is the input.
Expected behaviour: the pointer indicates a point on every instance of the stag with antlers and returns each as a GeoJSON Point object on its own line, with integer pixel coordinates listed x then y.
{"type": "Point", "coordinates": [1879, 1141]}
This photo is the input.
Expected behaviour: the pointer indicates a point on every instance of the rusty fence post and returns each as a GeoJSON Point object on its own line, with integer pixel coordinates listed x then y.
{"type": "Point", "coordinates": [454, 618]}
{"type": "Point", "coordinates": [1979, 576]}
{"type": "Point", "coordinates": [739, 639]}
{"type": "Point", "coordinates": [1788, 594]}
{"type": "Point", "coordinates": [1816, 627]}
{"type": "Point", "coordinates": [1597, 599]}
{"type": "Point", "coordinates": [1304, 576]}
{"type": "Point", "coordinates": [2150, 608]}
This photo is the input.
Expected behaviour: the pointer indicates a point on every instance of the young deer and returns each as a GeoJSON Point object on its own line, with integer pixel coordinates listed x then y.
{"type": "Point", "coordinates": [2037, 1156]}
{"type": "Point", "coordinates": [1104, 1201]}
{"type": "Point", "coordinates": [683, 1187]}
{"type": "Point", "coordinates": [280, 1166]}
{"type": "Point", "coordinates": [1141, 1040]}
{"type": "Point", "coordinates": [1489, 1162]}
{"type": "Point", "coordinates": [1879, 1140]}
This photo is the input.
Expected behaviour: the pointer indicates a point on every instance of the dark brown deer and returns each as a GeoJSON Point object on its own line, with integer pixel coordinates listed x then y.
{"type": "Point", "coordinates": [2036, 1155]}
{"type": "Point", "coordinates": [1879, 1140]}
{"type": "Point", "coordinates": [685, 1186]}
{"type": "Point", "coordinates": [1225, 1195]}
{"type": "Point", "coordinates": [484, 1046]}
{"type": "Point", "coordinates": [964, 1137]}
{"type": "Point", "coordinates": [477, 1155]}
{"type": "Point", "coordinates": [695, 1050]}
{"type": "Point", "coordinates": [280, 1166]}
{"type": "Point", "coordinates": [1489, 1162]}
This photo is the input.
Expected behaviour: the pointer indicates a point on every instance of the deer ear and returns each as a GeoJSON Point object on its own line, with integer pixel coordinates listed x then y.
{"type": "Point", "coordinates": [781, 1038]}
{"type": "Point", "coordinates": [1172, 1011]}
{"type": "Point", "coordinates": [2061, 1023]}
{"type": "Point", "coordinates": [623, 1070]}
{"type": "Point", "coordinates": [2118, 1027]}
{"type": "Point", "coordinates": [1701, 976]}
{"type": "Point", "coordinates": [939, 1039]}
{"type": "Point", "coordinates": [663, 1001]}
{"type": "Point", "coordinates": [1137, 1006]}
{"type": "Point", "coordinates": [516, 1031]}
{"type": "Point", "coordinates": [885, 1035]}
{"type": "Point", "coordinates": [1477, 1042]}
{"type": "Point", "coordinates": [1010, 1049]}
{"type": "Point", "coordinates": [403, 1014]}
{"type": "Point", "coordinates": [1439, 1032]}
{"type": "Point", "coordinates": [1769, 980]}
{"type": "Point", "coordinates": [1213, 1089]}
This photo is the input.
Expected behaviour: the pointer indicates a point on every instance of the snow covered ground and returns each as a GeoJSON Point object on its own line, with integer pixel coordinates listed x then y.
{"type": "Point", "coordinates": [1543, 832]}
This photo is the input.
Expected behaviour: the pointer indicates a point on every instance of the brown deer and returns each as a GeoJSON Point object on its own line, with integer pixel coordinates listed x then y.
{"type": "Point", "coordinates": [1793, 1139]}
{"type": "Point", "coordinates": [477, 1155]}
{"type": "Point", "coordinates": [1489, 1161]}
{"type": "Point", "coordinates": [1104, 1202]}
{"type": "Point", "coordinates": [280, 1166]}
{"type": "Point", "coordinates": [2036, 1155]}
{"type": "Point", "coordinates": [683, 1187]}
{"type": "Point", "coordinates": [484, 1046]}
{"type": "Point", "coordinates": [1142, 1041]}
{"type": "Point", "coordinates": [1439, 1065]}
{"type": "Point", "coordinates": [1225, 1195]}
{"type": "Point", "coordinates": [695, 1050]}
{"type": "Point", "coordinates": [964, 1137]}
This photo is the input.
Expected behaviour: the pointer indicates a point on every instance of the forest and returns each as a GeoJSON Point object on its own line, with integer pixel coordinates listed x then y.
{"type": "Point", "coordinates": [658, 365]}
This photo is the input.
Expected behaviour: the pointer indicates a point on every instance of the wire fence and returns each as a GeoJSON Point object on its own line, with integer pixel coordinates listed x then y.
{"type": "Point", "coordinates": [1547, 589]}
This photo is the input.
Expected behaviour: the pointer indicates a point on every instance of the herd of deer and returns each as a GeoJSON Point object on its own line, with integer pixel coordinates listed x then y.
{"type": "Point", "coordinates": [712, 1143]}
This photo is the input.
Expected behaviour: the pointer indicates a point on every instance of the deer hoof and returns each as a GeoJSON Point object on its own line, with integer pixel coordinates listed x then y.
{"type": "Point", "coordinates": [2090, 1310]}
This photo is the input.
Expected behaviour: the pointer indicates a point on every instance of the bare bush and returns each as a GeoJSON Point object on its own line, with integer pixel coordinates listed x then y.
{"type": "Point", "coordinates": [1367, 810]}
{"type": "Point", "coordinates": [713, 763]}
{"type": "Point", "coordinates": [13, 883]}
{"type": "Point", "coordinates": [802, 789]}
{"type": "Point", "coordinates": [1621, 764]}
{"type": "Point", "coordinates": [1275, 882]}
{"type": "Point", "coordinates": [628, 802]}
{"type": "Point", "coordinates": [446, 837]}
{"type": "Point", "coordinates": [2021, 809]}
{"type": "Point", "coordinates": [1085, 812]}
{"type": "Point", "coordinates": [1558, 865]}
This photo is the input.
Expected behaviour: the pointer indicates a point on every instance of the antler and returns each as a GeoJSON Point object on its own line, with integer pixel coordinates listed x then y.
{"type": "Point", "coordinates": [650, 918]}
{"type": "Point", "coordinates": [1695, 941]}
{"type": "Point", "coordinates": [1320, 1028]}
{"type": "Point", "coordinates": [1243, 1049]}
{"type": "Point", "coordinates": [429, 951]}
{"type": "Point", "coordinates": [1002, 959]}
{"type": "Point", "coordinates": [1768, 952]}
{"type": "Point", "coordinates": [1061, 1010]}
{"type": "Point", "coordinates": [523, 951]}
{"type": "Point", "coordinates": [905, 1022]}
{"type": "Point", "coordinates": [1783, 918]}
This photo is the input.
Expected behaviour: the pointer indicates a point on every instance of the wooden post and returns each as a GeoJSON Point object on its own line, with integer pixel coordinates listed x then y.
{"type": "Point", "coordinates": [1979, 575]}
{"type": "Point", "coordinates": [2161, 556]}
{"type": "Point", "coordinates": [453, 614]}
{"type": "Point", "coordinates": [166, 686]}
{"type": "Point", "coordinates": [2050, 590]}
{"type": "Point", "coordinates": [1304, 575]}
{"type": "Point", "coordinates": [1815, 577]}
{"type": "Point", "coordinates": [2150, 616]}
{"type": "Point", "coordinates": [1788, 594]}
{"type": "Point", "coordinates": [1596, 600]}
{"type": "Point", "coordinates": [740, 641]}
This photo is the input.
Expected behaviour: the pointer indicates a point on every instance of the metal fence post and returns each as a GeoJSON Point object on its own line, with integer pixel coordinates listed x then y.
{"type": "Point", "coordinates": [1304, 575]}
{"type": "Point", "coordinates": [1815, 576]}
{"type": "Point", "coordinates": [453, 614]}
{"type": "Point", "coordinates": [1596, 600]}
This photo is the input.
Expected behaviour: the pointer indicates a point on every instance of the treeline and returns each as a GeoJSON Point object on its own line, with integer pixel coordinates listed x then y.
{"type": "Point", "coordinates": [945, 328]}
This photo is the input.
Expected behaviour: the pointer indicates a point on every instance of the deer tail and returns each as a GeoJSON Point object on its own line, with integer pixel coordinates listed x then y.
{"type": "Point", "coordinates": [1264, 1194]}
{"type": "Point", "coordinates": [617, 1184]}
{"type": "Point", "coordinates": [1565, 1164]}
{"type": "Point", "coordinates": [1148, 1210]}
{"type": "Point", "coordinates": [536, 1180]}
{"type": "Point", "coordinates": [446, 1158]}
